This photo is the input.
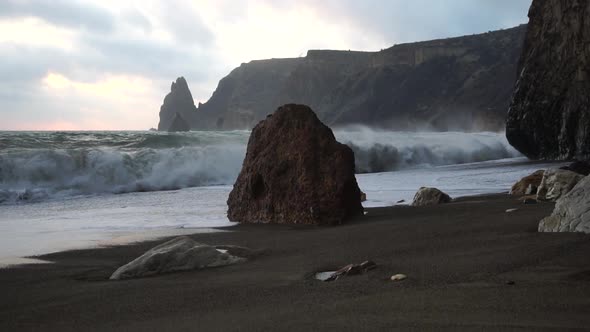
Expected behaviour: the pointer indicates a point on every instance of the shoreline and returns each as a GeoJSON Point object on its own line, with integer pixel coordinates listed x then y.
{"type": "Point", "coordinates": [470, 265]}
{"type": "Point", "coordinates": [124, 238]}
{"type": "Point", "coordinates": [50, 226]}
{"type": "Point", "coordinates": [121, 238]}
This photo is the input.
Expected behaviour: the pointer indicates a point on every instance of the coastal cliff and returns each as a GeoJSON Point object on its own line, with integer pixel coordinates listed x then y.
{"type": "Point", "coordinates": [462, 83]}
{"type": "Point", "coordinates": [549, 116]}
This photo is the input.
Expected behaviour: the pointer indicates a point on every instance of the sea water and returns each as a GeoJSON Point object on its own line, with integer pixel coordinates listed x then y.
{"type": "Point", "coordinates": [66, 190]}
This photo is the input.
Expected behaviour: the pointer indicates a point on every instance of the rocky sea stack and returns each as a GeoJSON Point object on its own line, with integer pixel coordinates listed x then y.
{"type": "Point", "coordinates": [550, 113]}
{"type": "Point", "coordinates": [179, 124]}
{"type": "Point", "coordinates": [295, 172]}
{"type": "Point", "coordinates": [178, 103]}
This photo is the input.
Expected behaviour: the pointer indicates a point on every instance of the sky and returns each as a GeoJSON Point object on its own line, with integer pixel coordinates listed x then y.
{"type": "Point", "coordinates": [107, 64]}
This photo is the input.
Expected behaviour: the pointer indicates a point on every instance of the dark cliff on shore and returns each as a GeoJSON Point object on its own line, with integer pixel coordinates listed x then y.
{"type": "Point", "coordinates": [549, 117]}
{"type": "Point", "coordinates": [462, 83]}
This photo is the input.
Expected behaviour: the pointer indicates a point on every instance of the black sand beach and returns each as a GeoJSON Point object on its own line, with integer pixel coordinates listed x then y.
{"type": "Point", "coordinates": [470, 266]}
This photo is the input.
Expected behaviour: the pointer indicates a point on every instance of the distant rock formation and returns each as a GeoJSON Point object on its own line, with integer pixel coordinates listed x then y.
{"type": "Point", "coordinates": [462, 83]}
{"type": "Point", "coordinates": [178, 102]}
{"type": "Point", "coordinates": [179, 124]}
{"type": "Point", "coordinates": [550, 113]}
{"type": "Point", "coordinates": [295, 172]}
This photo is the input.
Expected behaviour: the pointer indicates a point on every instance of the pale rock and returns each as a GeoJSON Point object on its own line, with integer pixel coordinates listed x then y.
{"type": "Point", "coordinates": [572, 211]}
{"type": "Point", "coordinates": [430, 196]}
{"type": "Point", "coordinates": [398, 277]}
{"type": "Point", "coordinates": [556, 183]}
{"type": "Point", "coordinates": [179, 254]}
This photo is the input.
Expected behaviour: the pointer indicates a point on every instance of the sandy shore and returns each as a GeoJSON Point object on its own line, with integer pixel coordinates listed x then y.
{"type": "Point", "coordinates": [470, 265]}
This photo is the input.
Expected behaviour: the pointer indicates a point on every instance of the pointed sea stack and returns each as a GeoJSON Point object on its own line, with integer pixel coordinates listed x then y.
{"type": "Point", "coordinates": [295, 172]}
{"type": "Point", "coordinates": [179, 102]}
{"type": "Point", "coordinates": [549, 117]}
{"type": "Point", "coordinates": [179, 124]}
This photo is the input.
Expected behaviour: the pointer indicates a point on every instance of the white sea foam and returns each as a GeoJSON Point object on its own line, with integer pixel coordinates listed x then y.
{"type": "Point", "coordinates": [36, 167]}
{"type": "Point", "coordinates": [380, 151]}
{"type": "Point", "coordinates": [30, 229]}
{"type": "Point", "coordinates": [34, 175]}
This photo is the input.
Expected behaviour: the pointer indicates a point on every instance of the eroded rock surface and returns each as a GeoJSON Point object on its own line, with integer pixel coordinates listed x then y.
{"type": "Point", "coordinates": [295, 172]}
{"type": "Point", "coordinates": [572, 211]}
{"type": "Point", "coordinates": [430, 196]}
{"type": "Point", "coordinates": [556, 183]}
{"type": "Point", "coordinates": [528, 185]}
{"type": "Point", "coordinates": [549, 116]}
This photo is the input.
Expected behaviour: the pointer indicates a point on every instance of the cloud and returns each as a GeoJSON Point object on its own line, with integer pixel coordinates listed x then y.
{"type": "Point", "coordinates": [66, 13]}
{"type": "Point", "coordinates": [185, 23]}
{"type": "Point", "coordinates": [397, 21]}
{"type": "Point", "coordinates": [107, 64]}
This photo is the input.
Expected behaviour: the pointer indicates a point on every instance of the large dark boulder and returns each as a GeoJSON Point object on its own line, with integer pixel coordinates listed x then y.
{"type": "Point", "coordinates": [295, 172]}
{"type": "Point", "coordinates": [178, 101]}
{"type": "Point", "coordinates": [549, 116]}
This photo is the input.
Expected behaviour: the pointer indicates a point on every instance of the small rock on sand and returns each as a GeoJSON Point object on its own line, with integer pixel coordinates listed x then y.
{"type": "Point", "coordinates": [398, 277]}
{"type": "Point", "coordinates": [348, 270]}
{"type": "Point", "coordinates": [430, 196]}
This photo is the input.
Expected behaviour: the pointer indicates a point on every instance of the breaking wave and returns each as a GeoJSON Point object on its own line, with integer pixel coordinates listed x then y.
{"type": "Point", "coordinates": [39, 166]}
{"type": "Point", "coordinates": [382, 151]}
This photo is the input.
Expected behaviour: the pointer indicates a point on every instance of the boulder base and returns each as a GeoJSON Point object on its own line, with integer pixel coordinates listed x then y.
{"type": "Point", "coordinates": [556, 183]}
{"type": "Point", "coordinates": [580, 167]}
{"type": "Point", "coordinates": [295, 172]}
{"type": "Point", "coordinates": [179, 254]}
{"type": "Point", "coordinates": [572, 211]}
{"type": "Point", "coordinates": [430, 196]}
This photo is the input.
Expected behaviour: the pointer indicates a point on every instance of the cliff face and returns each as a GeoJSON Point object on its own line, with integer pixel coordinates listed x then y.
{"type": "Point", "coordinates": [550, 112]}
{"type": "Point", "coordinates": [462, 83]}
{"type": "Point", "coordinates": [178, 103]}
{"type": "Point", "coordinates": [178, 124]}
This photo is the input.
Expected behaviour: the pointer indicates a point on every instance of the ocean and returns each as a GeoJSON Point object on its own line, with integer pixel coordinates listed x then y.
{"type": "Point", "coordinates": [67, 190]}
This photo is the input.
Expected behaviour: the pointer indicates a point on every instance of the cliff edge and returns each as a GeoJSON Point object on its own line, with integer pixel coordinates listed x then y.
{"type": "Point", "coordinates": [549, 117]}
{"type": "Point", "coordinates": [462, 83]}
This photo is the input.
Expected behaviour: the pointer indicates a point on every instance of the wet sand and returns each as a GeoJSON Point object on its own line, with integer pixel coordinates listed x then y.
{"type": "Point", "coordinates": [470, 266]}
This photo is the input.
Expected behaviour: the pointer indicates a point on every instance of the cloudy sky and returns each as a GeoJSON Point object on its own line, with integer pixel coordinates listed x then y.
{"type": "Point", "coordinates": [107, 64]}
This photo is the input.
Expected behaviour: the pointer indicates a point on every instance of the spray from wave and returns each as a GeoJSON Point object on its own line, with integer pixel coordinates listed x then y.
{"type": "Point", "coordinates": [382, 151]}
{"type": "Point", "coordinates": [40, 166]}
